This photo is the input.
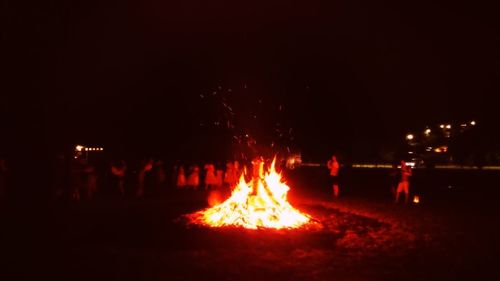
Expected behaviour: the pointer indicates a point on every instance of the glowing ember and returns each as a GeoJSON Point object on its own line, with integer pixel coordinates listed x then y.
{"type": "Point", "coordinates": [416, 199]}
{"type": "Point", "coordinates": [261, 203]}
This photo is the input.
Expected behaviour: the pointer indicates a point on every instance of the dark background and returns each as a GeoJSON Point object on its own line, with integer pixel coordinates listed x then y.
{"type": "Point", "coordinates": [351, 75]}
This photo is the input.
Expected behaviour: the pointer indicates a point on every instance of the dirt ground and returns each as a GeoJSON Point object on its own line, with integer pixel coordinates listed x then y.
{"type": "Point", "coordinates": [355, 238]}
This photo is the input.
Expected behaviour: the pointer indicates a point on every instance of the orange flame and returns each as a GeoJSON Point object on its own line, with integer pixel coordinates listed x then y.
{"type": "Point", "coordinates": [416, 199]}
{"type": "Point", "coordinates": [261, 203]}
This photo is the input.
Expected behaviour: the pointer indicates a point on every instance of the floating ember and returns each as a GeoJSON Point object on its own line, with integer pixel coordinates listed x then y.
{"type": "Point", "coordinates": [260, 203]}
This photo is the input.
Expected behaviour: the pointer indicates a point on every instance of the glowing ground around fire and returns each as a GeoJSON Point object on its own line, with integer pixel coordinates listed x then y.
{"type": "Point", "coordinates": [362, 238]}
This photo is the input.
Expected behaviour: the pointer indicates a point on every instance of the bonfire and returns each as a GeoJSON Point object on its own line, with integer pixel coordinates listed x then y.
{"type": "Point", "coordinates": [260, 203]}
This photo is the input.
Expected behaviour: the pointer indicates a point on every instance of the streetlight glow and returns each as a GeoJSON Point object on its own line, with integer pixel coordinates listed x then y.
{"type": "Point", "coordinates": [409, 137]}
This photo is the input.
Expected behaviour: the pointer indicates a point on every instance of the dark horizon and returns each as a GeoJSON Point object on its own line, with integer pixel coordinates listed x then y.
{"type": "Point", "coordinates": [131, 74]}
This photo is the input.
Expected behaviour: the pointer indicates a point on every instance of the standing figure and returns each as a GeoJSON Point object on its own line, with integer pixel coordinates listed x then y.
{"type": "Point", "coordinates": [257, 172]}
{"type": "Point", "coordinates": [181, 178]}
{"type": "Point", "coordinates": [258, 167]}
{"type": "Point", "coordinates": [334, 167]}
{"type": "Point", "coordinates": [118, 170]}
{"type": "Point", "coordinates": [143, 169]}
{"type": "Point", "coordinates": [218, 178]}
{"type": "Point", "coordinates": [160, 175]}
{"type": "Point", "coordinates": [394, 176]}
{"type": "Point", "coordinates": [404, 183]}
{"type": "Point", "coordinates": [193, 179]}
{"type": "Point", "coordinates": [230, 177]}
{"type": "Point", "coordinates": [210, 179]}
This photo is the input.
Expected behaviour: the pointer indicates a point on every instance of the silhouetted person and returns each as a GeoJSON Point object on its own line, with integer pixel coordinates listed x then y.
{"type": "Point", "coordinates": [257, 172]}
{"type": "Point", "coordinates": [210, 179]}
{"type": "Point", "coordinates": [193, 179]}
{"type": "Point", "coordinates": [258, 168]}
{"type": "Point", "coordinates": [334, 167]}
{"type": "Point", "coordinates": [404, 183]}
{"type": "Point", "coordinates": [394, 175]}
{"type": "Point", "coordinates": [160, 176]}
{"type": "Point", "coordinates": [181, 178]}
{"type": "Point", "coordinates": [141, 176]}
{"type": "Point", "coordinates": [230, 177]}
{"type": "Point", "coordinates": [218, 178]}
{"type": "Point", "coordinates": [119, 170]}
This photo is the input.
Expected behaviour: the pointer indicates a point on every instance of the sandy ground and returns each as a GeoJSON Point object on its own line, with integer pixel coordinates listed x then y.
{"type": "Point", "coordinates": [356, 238]}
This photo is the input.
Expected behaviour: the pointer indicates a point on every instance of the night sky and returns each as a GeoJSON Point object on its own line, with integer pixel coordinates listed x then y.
{"type": "Point", "coordinates": [130, 74]}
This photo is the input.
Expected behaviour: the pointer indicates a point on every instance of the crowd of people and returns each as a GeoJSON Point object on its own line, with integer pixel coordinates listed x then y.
{"type": "Point", "coordinates": [82, 179]}
{"type": "Point", "coordinates": [213, 176]}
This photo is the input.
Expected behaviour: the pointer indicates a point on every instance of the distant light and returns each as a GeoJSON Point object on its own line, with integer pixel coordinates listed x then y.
{"type": "Point", "coordinates": [86, 149]}
{"type": "Point", "coordinates": [429, 148]}
{"type": "Point", "coordinates": [410, 152]}
{"type": "Point", "coordinates": [448, 126]}
{"type": "Point", "coordinates": [473, 123]}
{"type": "Point", "coordinates": [441, 126]}
{"type": "Point", "coordinates": [427, 132]}
{"type": "Point", "coordinates": [441, 149]}
{"type": "Point", "coordinates": [410, 164]}
{"type": "Point", "coordinates": [79, 147]}
{"type": "Point", "coordinates": [463, 125]}
{"type": "Point", "coordinates": [416, 199]}
{"type": "Point", "coordinates": [409, 137]}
